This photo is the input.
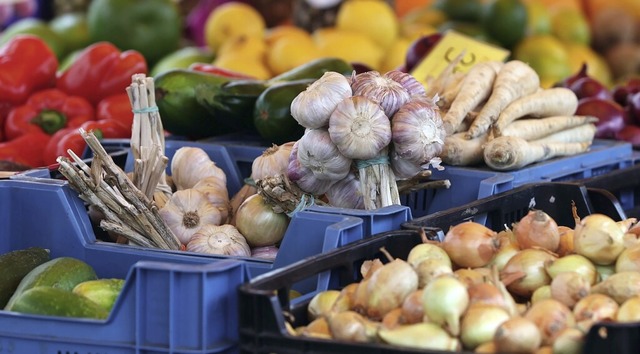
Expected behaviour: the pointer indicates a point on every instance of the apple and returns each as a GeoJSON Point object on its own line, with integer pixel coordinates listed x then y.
{"type": "Point", "coordinates": [611, 116]}
{"type": "Point", "coordinates": [419, 49]}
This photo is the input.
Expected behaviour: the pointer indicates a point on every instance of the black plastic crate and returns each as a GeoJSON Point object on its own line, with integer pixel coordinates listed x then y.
{"type": "Point", "coordinates": [265, 306]}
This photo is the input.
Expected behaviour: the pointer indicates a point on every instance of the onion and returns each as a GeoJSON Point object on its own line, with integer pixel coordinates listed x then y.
{"type": "Point", "coordinates": [259, 224]}
{"type": "Point", "coordinates": [537, 229]}
{"type": "Point", "coordinates": [566, 241]}
{"type": "Point", "coordinates": [470, 244]}
{"type": "Point", "coordinates": [345, 299]}
{"type": "Point", "coordinates": [604, 271]}
{"type": "Point", "coordinates": [525, 271]}
{"type": "Point", "coordinates": [551, 316]}
{"type": "Point", "coordinates": [472, 276]}
{"type": "Point", "coordinates": [569, 288]}
{"type": "Point", "coordinates": [444, 300]}
{"type": "Point", "coordinates": [486, 347]}
{"type": "Point", "coordinates": [594, 308]}
{"type": "Point", "coordinates": [629, 260]}
{"type": "Point", "coordinates": [619, 286]}
{"type": "Point", "coordinates": [517, 335]}
{"type": "Point", "coordinates": [318, 328]}
{"type": "Point", "coordinates": [388, 287]}
{"type": "Point", "coordinates": [629, 311]}
{"type": "Point", "coordinates": [487, 294]}
{"type": "Point", "coordinates": [429, 269]}
{"type": "Point", "coordinates": [508, 248]}
{"type": "Point", "coordinates": [412, 309]}
{"type": "Point", "coordinates": [541, 293]}
{"type": "Point", "coordinates": [322, 303]}
{"type": "Point", "coordinates": [569, 341]}
{"type": "Point", "coordinates": [599, 238]}
{"type": "Point", "coordinates": [427, 251]}
{"type": "Point", "coordinates": [351, 326]}
{"type": "Point", "coordinates": [480, 323]}
{"type": "Point", "coordinates": [419, 335]}
{"type": "Point", "coordinates": [547, 349]}
{"type": "Point", "coordinates": [393, 318]}
{"type": "Point", "coordinates": [573, 263]}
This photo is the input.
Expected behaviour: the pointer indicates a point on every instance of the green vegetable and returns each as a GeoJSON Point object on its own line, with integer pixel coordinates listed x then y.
{"type": "Point", "coordinates": [62, 273]}
{"type": "Point", "coordinates": [103, 292]}
{"type": "Point", "coordinates": [15, 265]}
{"type": "Point", "coordinates": [314, 70]}
{"type": "Point", "coordinates": [50, 301]}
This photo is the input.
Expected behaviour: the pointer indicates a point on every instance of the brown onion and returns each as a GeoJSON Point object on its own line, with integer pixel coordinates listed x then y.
{"type": "Point", "coordinates": [318, 328]}
{"type": "Point", "coordinates": [420, 335]}
{"type": "Point", "coordinates": [388, 287]}
{"type": "Point", "coordinates": [537, 229]}
{"type": "Point", "coordinates": [566, 241]}
{"type": "Point", "coordinates": [259, 224]}
{"type": "Point", "coordinates": [344, 301]}
{"type": "Point", "coordinates": [487, 294]}
{"type": "Point", "coordinates": [428, 269]}
{"type": "Point", "coordinates": [599, 238]}
{"type": "Point", "coordinates": [604, 271]}
{"type": "Point", "coordinates": [569, 288]}
{"type": "Point", "coordinates": [470, 244]}
{"type": "Point", "coordinates": [412, 309]}
{"type": "Point", "coordinates": [569, 341]}
{"type": "Point", "coordinates": [629, 311]}
{"type": "Point", "coordinates": [486, 347]}
{"type": "Point", "coordinates": [551, 316]}
{"type": "Point", "coordinates": [351, 326]}
{"type": "Point", "coordinates": [547, 349]}
{"type": "Point", "coordinates": [543, 292]}
{"type": "Point", "coordinates": [629, 260]}
{"type": "Point", "coordinates": [594, 308]}
{"type": "Point", "coordinates": [517, 335]}
{"type": "Point", "coordinates": [480, 323]}
{"type": "Point", "coordinates": [444, 300]}
{"type": "Point", "coordinates": [508, 248]}
{"type": "Point", "coordinates": [573, 263]}
{"type": "Point", "coordinates": [393, 318]}
{"type": "Point", "coordinates": [619, 286]}
{"type": "Point", "coordinates": [472, 276]}
{"type": "Point", "coordinates": [525, 271]}
{"type": "Point", "coordinates": [322, 303]}
{"type": "Point", "coordinates": [427, 251]}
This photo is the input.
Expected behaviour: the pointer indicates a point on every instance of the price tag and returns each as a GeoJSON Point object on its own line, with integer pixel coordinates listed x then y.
{"type": "Point", "coordinates": [448, 48]}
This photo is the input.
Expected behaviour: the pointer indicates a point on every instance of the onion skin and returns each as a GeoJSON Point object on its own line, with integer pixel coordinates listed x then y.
{"type": "Point", "coordinates": [541, 293]}
{"type": "Point", "coordinates": [569, 341]}
{"type": "Point", "coordinates": [445, 299]}
{"type": "Point", "coordinates": [471, 245]}
{"type": "Point", "coordinates": [565, 246]}
{"type": "Point", "coordinates": [412, 309]}
{"type": "Point", "coordinates": [351, 326]}
{"type": "Point", "coordinates": [629, 260]}
{"type": "Point", "coordinates": [508, 248]}
{"type": "Point", "coordinates": [525, 271]}
{"type": "Point", "coordinates": [629, 311]}
{"type": "Point", "coordinates": [427, 251]}
{"type": "Point", "coordinates": [537, 229]}
{"type": "Point", "coordinates": [486, 294]}
{"type": "Point", "coordinates": [428, 269]}
{"type": "Point", "coordinates": [619, 286]}
{"type": "Point", "coordinates": [420, 335]}
{"type": "Point", "coordinates": [599, 238]}
{"type": "Point", "coordinates": [318, 328]}
{"type": "Point", "coordinates": [573, 263]}
{"type": "Point", "coordinates": [551, 317]}
{"type": "Point", "coordinates": [517, 335]}
{"type": "Point", "coordinates": [472, 276]}
{"type": "Point", "coordinates": [322, 303]}
{"type": "Point", "coordinates": [388, 287]}
{"type": "Point", "coordinates": [480, 323]}
{"type": "Point", "coordinates": [594, 308]}
{"type": "Point", "coordinates": [569, 288]}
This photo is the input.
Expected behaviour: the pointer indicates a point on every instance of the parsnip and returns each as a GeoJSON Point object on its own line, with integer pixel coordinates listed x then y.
{"type": "Point", "coordinates": [536, 128]}
{"type": "Point", "coordinates": [511, 153]}
{"type": "Point", "coordinates": [556, 101]}
{"type": "Point", "coordinates": [458, 151]}
{"type": "Point", "coordinates": [579, 134]}
{"type": "Point", "coordinates": [475, 88]}
{"type": "Point", "coordinates": [450, 90]}
{"type": "Point", "coordinates": [516, 79]}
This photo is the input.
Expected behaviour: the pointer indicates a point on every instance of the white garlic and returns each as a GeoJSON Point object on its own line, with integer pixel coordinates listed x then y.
{"type": "Point", "coordinates": [413, 86]}
{"type": "Point", "coordinates": [359, 128]}
{"type": "Point", "coordinates": [219, 239]}
{"type": "Point", "coordinates": [191, 164]}
{"type": "Point", "coordinates": [312, 107]}
{"type": "Point", "coordinates": [417, 130]}
{"type": "Point", "coordinates": [389, 94]}
{"type": "Point", "coordinates": [186, 211]}
{"type": "Point", "coordinates": [304, 177]}
{"type": "Point", "coordinates": [216, 193]}
{"type": "Point", "coordinates": [272, 162]}
{"type": "Point", "coordinates": [346, 193]}
{"type": "Point", "coordinates": [318, 153]}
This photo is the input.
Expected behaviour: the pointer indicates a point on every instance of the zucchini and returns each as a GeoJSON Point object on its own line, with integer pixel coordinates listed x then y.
{"type": "Point", "coordinates": [15, 265]}
{"type": "Point", "coordinates": [314, 70]}
{"type": "Point", "coordinates": [103, 292]}
{"type": "Point", "coordinates": [62, 272]}
{"type": "Point", "coordinates": [50, 301]}
{"type": "Point", "coordinates": [272, 114]}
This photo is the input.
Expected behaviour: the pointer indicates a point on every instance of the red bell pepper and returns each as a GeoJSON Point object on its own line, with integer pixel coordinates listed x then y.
{"type": "Point", "coordinates": [101, 70]}
{"type": "Point", "coordinates": [213, 69]}
{"type": "Point", "coordinates": [48, 111]}
{"type": "Point", "coordinates": [118, 108]}
{"type": "Point", "coordinates": [27, 64]}
{"type": "Point", "coordinates": [27, 149]}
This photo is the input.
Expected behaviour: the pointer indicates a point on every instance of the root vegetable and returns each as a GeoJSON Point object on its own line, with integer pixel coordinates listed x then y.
{"type": "Point", "coordinates": [511, 153]}
{"type": "Point", "coordinates": [619, 286]}
{"type": "Point", "coordinates": [552, 317]}
{"type": "Point", "coordinates": [475, 88]}
{"type": "Point", "coordinates": [420, 335]}
{"type": "Point", "coordinates": [599, 238]}
{"type": "Point", "coordinates": [444, 300]}
{"type": "Point", "coordinates": [458, 151]}
{"type": "Point", "coordinates": [450, 90]}
{"type": "Point", "coordinates": [537, 128]}
{"type": "Point", "coordinates": [525, 271]}
{"type": "Point", "coordinates": [537, 229]}
{"type": "Point", "coordinates": [629, 311]}
{"type": "Point", "coordinates": [517, 335]}
{"type": "Point", "coordinates": [580, 134]}
{"type": "Point", "coordinates": [480, 323]}
{"type": "Point", "coordinates": [594, 308]}
{"type": "Point", "coordinates": [556, 101]}
{"type": "Point", "coordinates": [514, 80]}
{"type": "Point", "coordinates": [569, 288]}
{"type": "Point", "coordinates": [470, 244]}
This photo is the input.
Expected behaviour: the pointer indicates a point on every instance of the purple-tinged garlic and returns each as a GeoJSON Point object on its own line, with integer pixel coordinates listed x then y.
{"type": "Point", "coordinates": [217, 194]}
{"type": "Point", "coordinates": [317, 152]}
{"type": "Point", "coordinates": [389, 94]}
{"type": "Point", "coordinates": [312, 107]}
{"type": "Point", "coordinates": [219, 239]}
{"type": "Point", "coordinates": [346, 193]}
{"type": "Point", "coordinates": [303, 177]}
{"type": "Point", "coordinates": [191, 164]}
{"type": "Point", "coordinates": [413, 86]}
{"type": "Point", "coordinates": [402, 168]}
{"type": "Point", "coordinates": [186, 211]}
{"type": "Point", "coordinates": [417, 131]}
{"type": "Point", "coordinates": [272, 162]}
{"type": "Point", "coordinates": [359, 128]}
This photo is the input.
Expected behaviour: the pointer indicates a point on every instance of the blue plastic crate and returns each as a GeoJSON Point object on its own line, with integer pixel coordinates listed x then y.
{"type": "Point", "coordinates": [172, 301]}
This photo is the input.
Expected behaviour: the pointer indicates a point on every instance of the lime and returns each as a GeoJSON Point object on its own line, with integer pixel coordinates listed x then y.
{"type": "Point", "coordinates": [72, 29]}
{"type": "Point", "coordinates": [505, 21]}
{"type": "Point", "coordinates": [460, 10]}
{"type": "Point", "coordinates": [571, 26]}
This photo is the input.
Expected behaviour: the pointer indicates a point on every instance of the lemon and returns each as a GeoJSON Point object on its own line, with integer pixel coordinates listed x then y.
{"type": "Point", "coordinates": [348, 45]}
{"type": "Point", "coordinates": [245, 65]}
{"type": "Point", "coordinates": [373, 18]}
{"type": "Point", "coordinates": [396, 55]}
{"type": "Point", "coordinates": [291, 51]}
{"type": "Point", "coordinates": [253, 47]}
{"type": "Point", "coordinates": [505, 21]}
{"type": "Point", "coordinates": [597, 66]}
{"type": "Point", "coordinates": [538, 18]}
{"type": "Point", "coordinates": [232, 19]}
{"type": "Point", "coordinates": [546, 55]}
{"type": "Point", "coordinates": [571, 26]}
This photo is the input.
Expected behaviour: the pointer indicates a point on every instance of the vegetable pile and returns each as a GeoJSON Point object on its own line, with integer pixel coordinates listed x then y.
{"type": "Point", "coordinates": [536, 287]}
{"type": "Point", "coordinates": [498, 114]}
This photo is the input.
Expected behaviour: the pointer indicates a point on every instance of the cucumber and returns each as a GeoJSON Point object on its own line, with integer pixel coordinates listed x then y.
{"type": "Point", "coordinates": [62, 272]}
{"type": "Point", "coordinates": [314, 70]}
{"type": "Point", "coordinates": [50, 301]}
{"type": "Point", "coordinates": [15, 265]}
{"type": "Point", "coordinates": [103, 292]}
{"type": "Point", "coordinates": [272, 114]}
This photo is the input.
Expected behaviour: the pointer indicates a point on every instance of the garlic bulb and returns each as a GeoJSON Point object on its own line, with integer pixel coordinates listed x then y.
{"type": "Point", "coordinates": [272, 162]}
{"type": "Point", "coordinates": [359, 128]}
{"type": "Point", "coordinates": [317, 152]}
{"type": "Point", "coordinates": [403, 168]}
{"type": "Point", "coordinates": [191, 164]}
{"type": "Point", "coordinates": [216, 193]}
{"type": "Point", "coordinates": [304, 177]}
{"type": "Point", "coordinates": [186, 211]}
{"type": "Point", "coordinates": [417, 130]}
{"type": "Point", "coordinates": [345, 193]}
{"type": "Point", "coordinates": [413, 86]}
{"type": "Point", "coordinates": [219, 239]}
{"type": "Point", "coordinates": [312, 107]}
{"type": "Point", "coordinates": [389, 94]}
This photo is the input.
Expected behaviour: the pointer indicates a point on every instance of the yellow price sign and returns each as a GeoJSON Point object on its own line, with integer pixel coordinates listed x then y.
{"type": "Point", "coordinates": [449, 47]}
